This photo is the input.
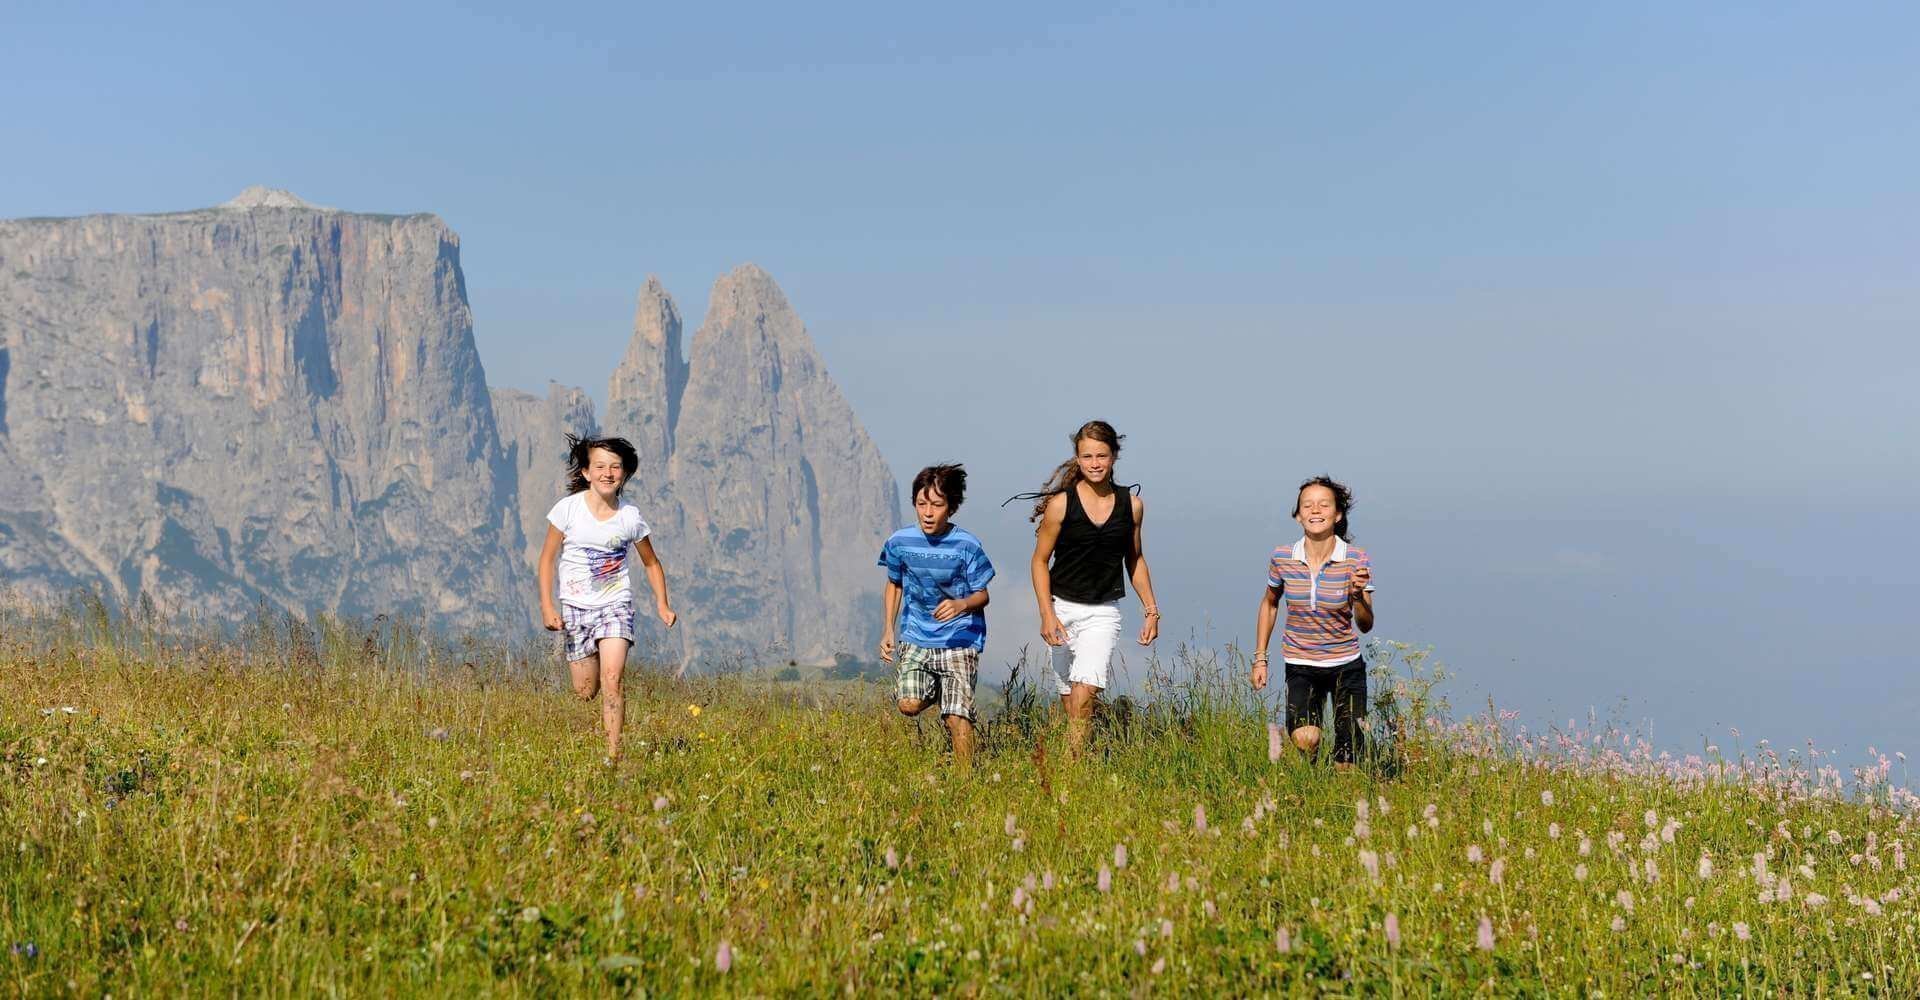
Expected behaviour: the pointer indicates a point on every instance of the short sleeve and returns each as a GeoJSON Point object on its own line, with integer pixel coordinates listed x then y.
{"type": "Point", "coordinates": [1274, 579]}
{"type": "Point", "coordinates": [979, 570]}
{"type": "Point", "coordinates": [891, 561]}
{"type": "Point", "coordinates": [561, 514]}
{"type": "Point", "coordinates": [638, 526]}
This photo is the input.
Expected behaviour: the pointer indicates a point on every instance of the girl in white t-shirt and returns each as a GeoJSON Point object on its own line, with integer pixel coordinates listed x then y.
{"type": "Point", "coordinates": [588, 535]}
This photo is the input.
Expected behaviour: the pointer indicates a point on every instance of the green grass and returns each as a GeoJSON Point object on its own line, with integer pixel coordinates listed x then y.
{"type": "Point", "coordinates": [320, 812]}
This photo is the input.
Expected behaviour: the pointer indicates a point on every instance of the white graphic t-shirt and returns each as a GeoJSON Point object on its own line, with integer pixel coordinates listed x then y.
{"type": "Point", "coordinates": [593, 562]}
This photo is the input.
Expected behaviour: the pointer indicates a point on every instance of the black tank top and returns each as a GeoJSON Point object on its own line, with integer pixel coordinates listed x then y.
{"type": "Point", "coordinates": [1089, 560]}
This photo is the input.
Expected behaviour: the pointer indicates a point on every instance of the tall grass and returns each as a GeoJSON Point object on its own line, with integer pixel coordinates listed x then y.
{"type": "Point", "coordinates": [362, 808]}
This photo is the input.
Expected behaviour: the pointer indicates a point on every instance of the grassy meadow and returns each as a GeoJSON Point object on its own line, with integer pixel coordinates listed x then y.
{"type": "Point", "coordinates": [319, 808]}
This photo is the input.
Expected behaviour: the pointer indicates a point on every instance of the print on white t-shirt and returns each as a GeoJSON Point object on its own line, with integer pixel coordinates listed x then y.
{"type": "Point", "coordinates": [593, 562]}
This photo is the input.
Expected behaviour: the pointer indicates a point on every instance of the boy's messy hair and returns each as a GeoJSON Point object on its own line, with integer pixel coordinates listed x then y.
{"type": "Point", "coordinates": [580, 453]}
{"type": "Point", "coordinates": [950, 481]}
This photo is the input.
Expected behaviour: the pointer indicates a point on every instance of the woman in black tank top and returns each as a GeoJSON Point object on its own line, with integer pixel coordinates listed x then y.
{"type": "Point", "coordinates": [1087, 544]}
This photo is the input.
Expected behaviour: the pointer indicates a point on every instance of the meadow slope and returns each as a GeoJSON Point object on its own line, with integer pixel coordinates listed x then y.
{"type": "Point", "coordinates": [356, 811]}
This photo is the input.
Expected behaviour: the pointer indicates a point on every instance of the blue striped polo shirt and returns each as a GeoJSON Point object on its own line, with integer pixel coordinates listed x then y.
{"type": "Point", "coordinates": [931, 569]}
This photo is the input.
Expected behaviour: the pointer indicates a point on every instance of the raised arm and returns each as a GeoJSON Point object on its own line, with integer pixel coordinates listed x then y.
{"type": "Point", "coordinates": [1044, 539]}
{"type": "Point", "coordinates": [1142, 580]}
{"type": "Point", "coordinates": [549, 555]}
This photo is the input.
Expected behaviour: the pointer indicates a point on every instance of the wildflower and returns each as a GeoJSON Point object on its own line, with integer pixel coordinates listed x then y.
{"type": "Point", "coordinates": [1619, 923]}
{"type": "Point", "coordinates": [1430, 812]}
{"type": "Point", "coordinates": [1371, 862]}
{"type": "Point", "coordinates": [1361, 830]}
{"type": "Point", "coordinates": [1412, 831]}
{"type": "Point", "coordinates": [1199, 818]}
{"type": "Point", "coordinates": [1834, 838]}
{"type": "Point", "coordinates": [1019, 896]}
{"type": "Point", "coordinates": [1814, 899]}
{"type": "Point", "coordinates": [1498, 873]}
{"type": "Point", "coordinates": [1362, 810]}
{"type": "Point", "coordinates": [1011, 826]}
{"type": "Point", "coordinates": [1652, 871]}
{"type": "Point", "coordinates": [181, 925]}
{"type": "Point", "coordinates": [1173, 881]}
{"type": "Point", "coordinates": [1783, 891]}
{"type": "Point", "coordinates": [1553, 831]}
{"type": "Point", "coordinates": [1046, 880]}
{"type": "Point", "coordinates": [1586, 846]}
{"type": "Point", "coordinates": [1282, 941]}
{"type": "Point", "coordinates": [1140, 947]}
{"type": "Point", "coordinates": [1546, 797]}
{"type": "Point", "coordinates": [694, 711]}
{"type": "Point", "coordinates": [1019, 844]}
{"type": "Point", "coordinates": [1166, 927]}
{"type": "Point", "coordinates": [1579, 873]}
{"type": "Point", "coordinates": [1484, 941]}
{"type": "Point", "coordinates": [1119, 856]}
{"type": "Point", "coordinates": [1393, 931]}
{"type": "Point", "coordinates": [1741, 931]}
{"type": "Point", "coordinates": [529, 914]}
{"type": "Point", "coordinates": [1651, 818]}
{"type": "Point", "coordinates": [1871, 908]}
{"type": "Point", "coordinates": [659, 802]}
{"type": "Point", "coordinates": [1624, 899]}
{"type": "Point", "coordinates": [1105, 882]}
{"type": "Point", "coordinates": [438, 735]}
{"type": "Point", "coordinates": [723, 957]}
{"type": "Point", "coordinates": [1208, 907]}
{"type": "Point", "coordinates": [892, 859]}
{"type": "Point", "coordinates": [1159, 966]}
{"type": "Point", "coordinates": [1275, 741]}
{"type": "Point", "coordinates": [1474, 854]}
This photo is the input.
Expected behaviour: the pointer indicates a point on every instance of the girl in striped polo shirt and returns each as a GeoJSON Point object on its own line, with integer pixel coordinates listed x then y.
{"type": "Point", "coordinates": [1326, 585]}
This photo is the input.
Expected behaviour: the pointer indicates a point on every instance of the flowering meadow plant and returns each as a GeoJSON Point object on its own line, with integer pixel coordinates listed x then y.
{"type": "Point", "coordinates": [357, 810]}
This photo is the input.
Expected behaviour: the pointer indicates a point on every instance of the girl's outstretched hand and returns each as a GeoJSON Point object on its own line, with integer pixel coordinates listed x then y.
{"type": "Point", "coordinates": [551, 619]}
{"type": "Point", "coordinates": [1259, 676]}
{"type": "Point", "coordinates": [1362, 576]}
{"type": "Point", "coordinates": [1052, 632]}
{"type": "Point", "coordinates": [1149, 630]}
{"type": "Point", "coordinates": [667, 617]}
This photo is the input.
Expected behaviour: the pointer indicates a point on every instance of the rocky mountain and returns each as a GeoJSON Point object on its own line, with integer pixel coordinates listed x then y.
{"type": "Point", "coordinates": [271, 401]}
{"type": "Point", "coordinates": [264, 401]}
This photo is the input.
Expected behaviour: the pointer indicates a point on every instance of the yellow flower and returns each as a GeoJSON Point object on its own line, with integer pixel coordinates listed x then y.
{"type": "Point", "coordinates": [693, 710]}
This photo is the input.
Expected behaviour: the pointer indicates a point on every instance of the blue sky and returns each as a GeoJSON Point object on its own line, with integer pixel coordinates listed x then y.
{"type": "Point", "coordinates": [1608, 312]}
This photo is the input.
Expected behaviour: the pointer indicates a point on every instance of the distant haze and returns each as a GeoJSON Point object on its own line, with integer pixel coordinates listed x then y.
{"type": "Point", "coordinates": [1607, 313]}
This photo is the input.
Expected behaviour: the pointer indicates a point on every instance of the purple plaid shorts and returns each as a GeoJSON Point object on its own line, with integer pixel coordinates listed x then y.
{"type": "Point", "coordinates": [585, 627]}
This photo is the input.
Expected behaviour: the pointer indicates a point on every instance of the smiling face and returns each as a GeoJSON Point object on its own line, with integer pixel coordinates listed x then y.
{"type": "Point", "coordinates": [931, 510]}
{"type": "Point", "coordinates": [1318, 511]}
{"type": "Point", "coordinates": [1095, 459]}
{"type": "Point", "coordinates": [605, 473]}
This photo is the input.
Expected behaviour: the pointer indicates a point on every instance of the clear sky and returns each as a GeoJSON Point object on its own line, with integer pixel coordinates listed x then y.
{"type": "Point", "coordinates": [1608, 312]}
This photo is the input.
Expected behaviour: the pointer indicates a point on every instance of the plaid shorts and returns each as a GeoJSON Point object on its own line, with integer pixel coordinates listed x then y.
{"type": "Point", "coordinates": [585, 627]}
{"type": "Point", "coordinates": [943, 674]}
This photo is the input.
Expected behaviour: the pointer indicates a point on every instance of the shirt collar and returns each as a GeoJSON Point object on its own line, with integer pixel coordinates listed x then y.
{"type": "Point", "coordinates": [1339, 549]}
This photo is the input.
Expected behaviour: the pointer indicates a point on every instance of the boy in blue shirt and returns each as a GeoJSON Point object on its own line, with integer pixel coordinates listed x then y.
{"type": "Point", "coordinates": [939, 572]}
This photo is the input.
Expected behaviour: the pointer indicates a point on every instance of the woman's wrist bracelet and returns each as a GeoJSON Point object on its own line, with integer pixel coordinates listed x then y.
{"type": "Point", "coordinates": [1260, 657]}
{"type": "Point", "coordinates": [1151, 611]}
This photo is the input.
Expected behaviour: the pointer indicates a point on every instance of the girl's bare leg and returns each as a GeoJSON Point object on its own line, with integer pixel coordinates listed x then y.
{"type": "Point", "coordinates": [613, 702]}
{"type": "Point", "coordinates": [586, 677]}
{"type": "Point", "coordinates": [960, 728]}
{"type": "Point", "coordinates": [1079, 706]}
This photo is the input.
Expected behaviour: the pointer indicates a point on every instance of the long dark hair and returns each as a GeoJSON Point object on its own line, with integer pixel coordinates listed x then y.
{"type": "Point", "coordinates": [1342, 502]}
{"type": "Point", "coordinates": [580, 453]}
{"type": "Point", "coordinates": [1067, 474]}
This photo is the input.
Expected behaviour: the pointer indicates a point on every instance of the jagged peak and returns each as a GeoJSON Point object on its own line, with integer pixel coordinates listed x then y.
{"type": "Point", "coordinates": [656, 319]}
{"type": "Point", "coordinates": [261, 196]}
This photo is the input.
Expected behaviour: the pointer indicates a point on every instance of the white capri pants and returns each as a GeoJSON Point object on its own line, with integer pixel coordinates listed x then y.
{"type": "Point", "coordinates": [1093, 630]}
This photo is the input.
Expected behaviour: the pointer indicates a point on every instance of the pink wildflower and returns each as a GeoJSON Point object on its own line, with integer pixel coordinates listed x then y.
{"type": "Point", "coordinates": [659, 802]}
{"type": "Point", "coordinates": [892, 859]}
{"type": "Point", "coordinates": [1484, 941]}
{"type": "Point", "coordinates": [1371, 862]}
{"type": "Point", "coordinates": [1498, 873]}
{"type": "Point", "coordinates": [1546, 797]}
{"type": "Point", "coordinates": [1199, 818]}
{"type": "Point", "coordinates": [1474, 854]}
{"type": "Point", "coordinates": [1393, 931]}
{"type": "Point", "coordinates": [1012, 825]}
{"type": "Point", "coordinates": [1706, 866]}
{"type": "Point", "coordinates": [1105, 882]}
{"type": "Point", "coordinates": [1159, 966]}
{"type": "Point", "coordinates": [1119, 855]}
{"type": "Point", "coordinates": [1741, 931]}
{"type": "Point", "coordinates": [1166, 928]}
{"type": "Point", "coordinates": [1283, 941]}
{"type": "Point", "coordinates": [1140, 947]}
{"type": "Point", "coordinates": [723, 957]}
{"type": "Point", "coordinates": [1276, 742]}
{"type": "Point", "coordinates": [1619, 923]}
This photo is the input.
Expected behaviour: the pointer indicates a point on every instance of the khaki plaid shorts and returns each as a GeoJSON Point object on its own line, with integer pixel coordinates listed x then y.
{"type": "Point", "coordinates": [945, 675]}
